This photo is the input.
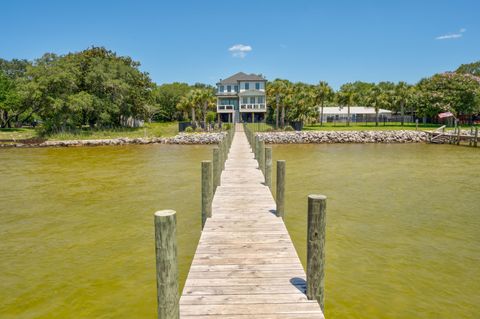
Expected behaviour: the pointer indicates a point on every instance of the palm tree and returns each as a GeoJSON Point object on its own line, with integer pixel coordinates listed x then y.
{"type": "Point", "coordinates": [303, 107]}
{"type": "Point", "coordinates": [346, 97]}
{"type": "Point", "coordinates": [378, 98]}
{"type": "Point", "coordinates": [273, 97]}
{"type": "Point", "coordinates": [323, 93]}
{"type": "Point", "coordinates": [402, 94]}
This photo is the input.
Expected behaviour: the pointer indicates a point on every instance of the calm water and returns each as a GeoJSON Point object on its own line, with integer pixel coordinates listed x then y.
{"type": "Point", "coordinates": [403, 226]}
{"type": "Point", "coordinates": [76, 227]}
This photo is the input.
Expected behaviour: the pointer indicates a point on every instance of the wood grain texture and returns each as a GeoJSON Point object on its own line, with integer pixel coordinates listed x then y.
{"type": "Point", "coordinates": [166, 261]}
{"type": "Point", "coordinates": [245, 265]}
{"type": "Point", "coordinates": [316, 248]}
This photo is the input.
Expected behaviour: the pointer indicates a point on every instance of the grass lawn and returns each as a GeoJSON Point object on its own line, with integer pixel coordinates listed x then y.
{"type": "Point", "coordinates": [17, 133]}
{"type": "Point", "coordinates": [149, 130]}
{"type": "Point", "coordinates": [393, 126]}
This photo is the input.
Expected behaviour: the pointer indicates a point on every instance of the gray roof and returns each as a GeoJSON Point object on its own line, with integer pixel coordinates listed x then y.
{"type": "Point", "coordinates": [240, 76]}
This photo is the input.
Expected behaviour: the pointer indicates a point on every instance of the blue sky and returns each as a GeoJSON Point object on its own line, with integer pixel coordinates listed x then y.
{"type": "Point", "coordinates": [189, 41]}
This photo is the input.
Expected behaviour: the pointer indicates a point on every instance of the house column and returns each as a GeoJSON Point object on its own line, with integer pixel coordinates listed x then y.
{"type": "Point", "coordinates": [253, 117]}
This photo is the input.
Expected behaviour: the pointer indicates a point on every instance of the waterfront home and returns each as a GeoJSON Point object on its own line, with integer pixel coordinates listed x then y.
{"type": "Point", "coordinates": [357, 114]}
{"type": "Point", "coordinates": [241, 98]}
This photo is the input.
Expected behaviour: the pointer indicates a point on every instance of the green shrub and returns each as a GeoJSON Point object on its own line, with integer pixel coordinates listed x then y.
{"type": "Point", "coordinates": [199, 129]}
{"type": "Point", "coordinates": [269, 129]}
{"type": "Point", "coordinates": [227, 126]}
{"type": "Point", "coordinates": [288, 128]}
{"type": "Point", "coordinates": [189, 129]}
{"type": "Point", "coordinates": [211, 116]}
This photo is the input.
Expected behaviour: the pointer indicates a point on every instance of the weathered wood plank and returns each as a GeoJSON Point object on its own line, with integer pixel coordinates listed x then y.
{"type": "Point", "coordinates": [245, 265]}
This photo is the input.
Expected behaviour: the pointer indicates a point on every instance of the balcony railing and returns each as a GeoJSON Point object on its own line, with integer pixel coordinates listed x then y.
{"type": "Point", "coordinates": [224, 107]}
{"type": "Point", "coordinates": [253, 107]}
{"type": "Point", "coordinates": [227, 93]}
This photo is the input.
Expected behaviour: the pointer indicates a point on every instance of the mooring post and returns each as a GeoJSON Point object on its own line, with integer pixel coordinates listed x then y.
{"type": "Point", "coordinates": [261, 156]}
{"type": "Point", "coordinates": [476, 137]}
{"type": "Point", "coordinates": [280, 198]}
{"type": "Point", "coordinates": [268, 167]}
{"type": "Point", "coordinates": [458, 135]}
{"type": "Point", "coordinates": [255, 148]}
{"type": "Point", "coordinates": [167, 267]}
{"type": "Point", "coordinates": [206, 191]}
{"type": "Point", "coordinates": [217, 169]}
{"type": "Point", "coordinates": [316, 248]}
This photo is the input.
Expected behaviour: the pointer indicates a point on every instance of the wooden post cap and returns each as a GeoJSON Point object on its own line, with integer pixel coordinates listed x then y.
{"type": "Point", "coordinates": [165, 213]}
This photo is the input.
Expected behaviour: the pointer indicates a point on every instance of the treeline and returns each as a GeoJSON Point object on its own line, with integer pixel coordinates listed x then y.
{"type": "Point", "coordinates": [98, 89]}
{"type": "Point", "coordinates": [94, 88]}
{"type": "Point", "coordinates": [457, 92]}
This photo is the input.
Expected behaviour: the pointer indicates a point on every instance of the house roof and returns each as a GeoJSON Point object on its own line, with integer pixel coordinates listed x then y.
{"type": "Point", "coordinates": [338, 110]}
{"type": "Point", "coordinates": [240, 76]}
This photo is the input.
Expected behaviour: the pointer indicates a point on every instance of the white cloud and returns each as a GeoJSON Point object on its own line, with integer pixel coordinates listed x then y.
{"type": "Point", "coordinates": [456, 35]}
{"type": "Point", "coordinates": [240, 50]}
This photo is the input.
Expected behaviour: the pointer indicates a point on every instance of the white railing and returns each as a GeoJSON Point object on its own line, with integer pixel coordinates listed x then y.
{"type": "Point", "coordinates": [224, 107]}
{"type": "Point", "coordinates": [253, 107]}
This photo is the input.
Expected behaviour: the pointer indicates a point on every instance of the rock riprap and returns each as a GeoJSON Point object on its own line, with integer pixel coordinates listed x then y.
{"type": "Point", "coordinates": [319, 137]}
{"type": "Point", "coordinates": [182, 138]}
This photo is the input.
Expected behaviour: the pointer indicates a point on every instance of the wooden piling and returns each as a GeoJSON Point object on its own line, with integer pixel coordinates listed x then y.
{"type": "Point", "coordinates": [255, 153]}
{"type": "Point", "coordinates": [268, 167]}
{"type": "Point", "coordinates": [207, 194]}
{"type": "Point", "coordinates": [316, 248]}
{"type": "Point", "coordinates": [280, 198]}
{"type": "Point", "coordinates": [458, 135]}
{"type": "Point", "coordinates": [261, 156]}
{"type": "Point", "coordinates": [166, 262]}
{"type": "Point", "coordinates": [217, 169]}
{"type": "Point", "coordinates": [475, 140]}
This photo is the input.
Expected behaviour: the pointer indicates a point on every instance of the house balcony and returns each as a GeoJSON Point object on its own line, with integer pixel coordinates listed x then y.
{"type": "Point", "coordinates": [260, 107]}
{"type": "Point", "coordinates": [226, 93]}
{"type": "Point", "coordinates": [225, 108]}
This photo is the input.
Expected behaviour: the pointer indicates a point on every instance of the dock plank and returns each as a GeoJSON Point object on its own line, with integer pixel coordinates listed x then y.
{"type": "Point", "coordinates": [245, 265]}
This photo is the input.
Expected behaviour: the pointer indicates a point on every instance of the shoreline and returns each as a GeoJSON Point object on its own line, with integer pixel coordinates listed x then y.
{"type": "Point", "coordinates": [302, 137]}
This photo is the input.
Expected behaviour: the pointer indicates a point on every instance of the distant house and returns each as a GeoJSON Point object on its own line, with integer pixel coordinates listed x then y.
{"type": "Point", "coordinates": [242, 98]}
{"type": "Point", "coordinates": [357, 113]}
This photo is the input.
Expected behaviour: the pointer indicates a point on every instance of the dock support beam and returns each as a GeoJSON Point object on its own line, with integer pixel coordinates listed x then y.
{"type": "Point", "coordinates": [217, 169]}
{"type": "Point", "coordinates": [167, 267]}
{"type": "Point", "coordinates": [268, 167]}
{"type": "Point", "coordinates": [280, 198]}
{"type": "Point", "coordinates": [207, 187]}
{"type": "Point", "coordinates": [316, 248]}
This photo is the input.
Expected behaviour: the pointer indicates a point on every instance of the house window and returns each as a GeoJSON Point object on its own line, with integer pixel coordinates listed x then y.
{"type": "Point", "coordinates": [244, 100]}
{"type": "Point", "coordinates": [229, 88]}
{"type": "Point", "coordinates": [252, 100]}
{"type": "Point", "coordinates": [247, 86]}
{"type": "Point", "coordinates": [257, 86]}
{"type": "Point", "coordinates": [260, 100]}
{"type": "Point", "coordinates": [221, 88]}
{"type": "Point", "coordinates": [235, 88]}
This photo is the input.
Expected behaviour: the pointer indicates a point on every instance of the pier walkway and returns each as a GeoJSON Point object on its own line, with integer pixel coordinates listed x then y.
{"type": "Point", "coordinates": [245, 265]}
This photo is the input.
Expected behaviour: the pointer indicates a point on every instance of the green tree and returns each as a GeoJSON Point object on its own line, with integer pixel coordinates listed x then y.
{"type": "Point", "coordinates": [454, 92]}
{"type": "Point", "coordinates": [166, 97]}
{"type": "Point", "coordinates": [470, 68]}
{"type": "Point", "coordinates": [323, 93]}
{"type": "Point", "coordinates": [346, 96]}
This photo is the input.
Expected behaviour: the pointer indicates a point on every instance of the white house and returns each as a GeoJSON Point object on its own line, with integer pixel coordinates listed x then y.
{"type": "Point", "coordinates": [357, 113]}
{"type": "Point", "coordinates": [242, 98]}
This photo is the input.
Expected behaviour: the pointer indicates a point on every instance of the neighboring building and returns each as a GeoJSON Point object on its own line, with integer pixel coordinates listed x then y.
{"type": "Point", "coordinates": [242, 98]}
{"type": "Point", "coordinates": [357, 113]}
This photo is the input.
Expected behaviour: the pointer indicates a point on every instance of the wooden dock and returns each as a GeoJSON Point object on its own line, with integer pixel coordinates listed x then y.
{"type": "Point", "coordinates": [245, 265]}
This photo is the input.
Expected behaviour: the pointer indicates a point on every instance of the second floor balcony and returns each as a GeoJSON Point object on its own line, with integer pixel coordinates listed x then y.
{"type": "Point", "coordinates": [255, 107]}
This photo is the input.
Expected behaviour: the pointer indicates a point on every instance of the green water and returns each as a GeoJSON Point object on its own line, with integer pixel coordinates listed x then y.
{"type": "Point", "coordinates": [76, 227]}
{"type": "Point", "coordinates": [403, 226]}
